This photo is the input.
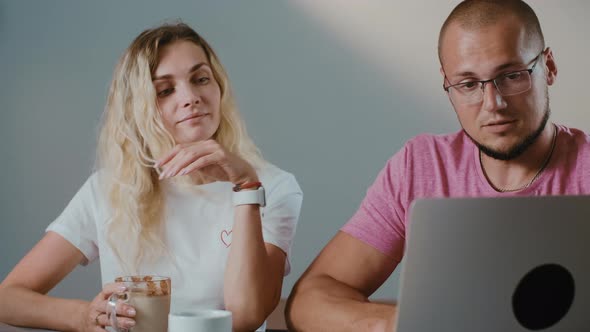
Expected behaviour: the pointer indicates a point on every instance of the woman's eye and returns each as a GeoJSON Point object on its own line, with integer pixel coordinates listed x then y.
{"type": "Point", "coordinates": [203, 80]}
{"type": "Point", "coordinates": [165, 92]}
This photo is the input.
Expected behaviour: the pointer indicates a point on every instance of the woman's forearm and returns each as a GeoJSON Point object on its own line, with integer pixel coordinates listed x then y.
{"type": "Point", "coordinates": [20, 306]}
{"type": "Point", "coordinates": [250, 290]}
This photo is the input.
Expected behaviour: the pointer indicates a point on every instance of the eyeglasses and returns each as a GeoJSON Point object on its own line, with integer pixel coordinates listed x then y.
{"type": "Point", "coordinates": [507, 84]}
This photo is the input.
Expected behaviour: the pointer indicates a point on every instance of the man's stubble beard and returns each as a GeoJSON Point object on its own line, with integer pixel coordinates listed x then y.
{"type": "Point", "coordinates": [520, 147]}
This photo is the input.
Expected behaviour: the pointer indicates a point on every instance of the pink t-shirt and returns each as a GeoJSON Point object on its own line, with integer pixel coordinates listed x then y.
{"type": "Point", "coordinates": [430, 166]}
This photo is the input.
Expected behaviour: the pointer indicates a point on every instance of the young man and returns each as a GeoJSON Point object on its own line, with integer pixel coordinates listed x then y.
{"type": "Point", "coordinates": [496, 71]}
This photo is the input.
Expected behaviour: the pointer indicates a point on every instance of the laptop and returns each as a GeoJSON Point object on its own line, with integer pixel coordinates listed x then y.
{"type": "Point", "coordinates": [497, 264]}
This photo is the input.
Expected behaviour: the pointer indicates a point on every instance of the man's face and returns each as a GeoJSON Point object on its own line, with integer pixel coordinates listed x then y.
{"type": "Point", "coordinates": [502, 126]}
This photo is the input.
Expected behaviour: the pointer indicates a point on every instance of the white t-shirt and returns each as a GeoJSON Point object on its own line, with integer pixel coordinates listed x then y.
{"type": "Point", "coordinates": [197, 228]}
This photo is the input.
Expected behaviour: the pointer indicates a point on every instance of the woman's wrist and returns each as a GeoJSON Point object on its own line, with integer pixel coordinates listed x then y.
{"type": "Point", "coordinates": [248, 181]}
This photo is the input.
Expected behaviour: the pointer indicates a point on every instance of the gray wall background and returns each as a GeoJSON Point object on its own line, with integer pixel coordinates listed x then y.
{"type": "Point", "coordinates": [329, 90]}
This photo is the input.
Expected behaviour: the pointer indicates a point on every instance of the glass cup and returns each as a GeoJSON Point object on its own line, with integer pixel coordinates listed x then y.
{"type": "Point", "coordinates": [150, 296]}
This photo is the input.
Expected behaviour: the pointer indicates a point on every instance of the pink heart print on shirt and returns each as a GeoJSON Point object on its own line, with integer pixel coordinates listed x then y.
{"type": "Point", "coordinates": [226, 238]}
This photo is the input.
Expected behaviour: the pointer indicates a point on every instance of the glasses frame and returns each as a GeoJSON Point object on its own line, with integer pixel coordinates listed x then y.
{"type": "Point", "coordinates": [483, 83]}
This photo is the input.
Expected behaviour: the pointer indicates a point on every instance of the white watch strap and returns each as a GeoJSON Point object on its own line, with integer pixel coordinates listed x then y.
{"type": "Point", "coordinates": [244, 197]}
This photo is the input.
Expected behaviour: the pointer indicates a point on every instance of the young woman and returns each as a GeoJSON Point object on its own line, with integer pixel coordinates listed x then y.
{"type": "Point", "coordinates": [180, 191]}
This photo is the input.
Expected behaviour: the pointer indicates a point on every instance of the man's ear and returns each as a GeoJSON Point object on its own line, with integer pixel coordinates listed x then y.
{"type": "Point", "coordinates": [550, 66]}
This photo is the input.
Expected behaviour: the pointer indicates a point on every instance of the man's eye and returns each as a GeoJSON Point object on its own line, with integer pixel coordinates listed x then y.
{"type": "Point", "coordinates": [513, 76]}
{"type": "Point", "coordinates": [165, 92]}
{"type": "Point", "coordinates": [467, 86]}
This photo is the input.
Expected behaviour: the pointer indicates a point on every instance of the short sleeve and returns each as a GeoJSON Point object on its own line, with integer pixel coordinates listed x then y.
{"type": "Point", "coordinates": [281, 214]}
{"type": "Point", "coordinates": [379, 221]}
{"type": "Point", "coordinates": [77, 223]}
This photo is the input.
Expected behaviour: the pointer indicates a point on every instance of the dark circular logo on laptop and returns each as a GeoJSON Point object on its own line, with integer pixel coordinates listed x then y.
{"type": "Point", "coordinates": [543, 296]}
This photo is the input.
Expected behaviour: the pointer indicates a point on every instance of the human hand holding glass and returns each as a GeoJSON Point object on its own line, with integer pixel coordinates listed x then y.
{"type": "Point", "coordinates": [96, 311]}
{"type": "Point", "coordinates": [149, 296]}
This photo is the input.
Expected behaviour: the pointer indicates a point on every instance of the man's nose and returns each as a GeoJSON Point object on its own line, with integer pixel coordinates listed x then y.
{"type": "Point", "coordinates": [492, 99]}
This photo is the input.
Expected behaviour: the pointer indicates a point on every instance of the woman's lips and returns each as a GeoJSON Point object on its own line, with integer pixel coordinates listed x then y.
{"type": "Point", "coordinates": [195, 116]}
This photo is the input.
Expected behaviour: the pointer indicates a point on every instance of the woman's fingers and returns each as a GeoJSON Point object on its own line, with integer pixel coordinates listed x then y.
{"type": "Point", "coordinates": [109, 289]}
{"type": "Point", "coordinates": [185, 157]}
{"type": "Point", "coordinates": [102, 320]}
{"type": "Point", "coordinates": [164, 160]}
{"type": "Point", "coordinates": [122, 308]}
{"type": "Point", "coordinates": [100, 308]}
{"type": "Point", "coordinates": [123, 322]}
{"type": "Point", "coordinates": [208, 157]}
{"type": "Point", "coordinates": [200, 163]}
{"type": "Point", "coordinates": [182, 160]}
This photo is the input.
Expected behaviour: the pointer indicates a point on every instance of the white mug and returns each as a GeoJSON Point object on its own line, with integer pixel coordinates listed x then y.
{"type": "Point", "coordinates": [200, 321]}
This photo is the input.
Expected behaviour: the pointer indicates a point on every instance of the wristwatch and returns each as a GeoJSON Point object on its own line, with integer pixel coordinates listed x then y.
{"type": "Point", "coordinates": [243, 197]}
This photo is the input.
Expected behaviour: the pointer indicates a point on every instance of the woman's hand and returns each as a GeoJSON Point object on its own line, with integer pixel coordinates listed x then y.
{"type": "Point", "coordinates": [95, 316]}
{"type": "Point", "coordinates": [209, 158]}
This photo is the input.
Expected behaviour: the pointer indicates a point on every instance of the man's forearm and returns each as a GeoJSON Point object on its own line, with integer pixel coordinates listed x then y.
{"type": "Point", "coordinates": [322, 303]}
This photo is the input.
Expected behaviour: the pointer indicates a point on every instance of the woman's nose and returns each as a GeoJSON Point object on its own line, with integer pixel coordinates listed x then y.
{"type": "Point", "coordinates": [189, 97]}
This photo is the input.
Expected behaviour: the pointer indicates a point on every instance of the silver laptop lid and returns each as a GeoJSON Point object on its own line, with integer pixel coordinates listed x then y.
{"type": "Point", "coordinates": [497, 264]}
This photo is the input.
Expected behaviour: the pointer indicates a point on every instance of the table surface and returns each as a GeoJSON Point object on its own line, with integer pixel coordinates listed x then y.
{"type": "Point", "coordinates": [10, 328]}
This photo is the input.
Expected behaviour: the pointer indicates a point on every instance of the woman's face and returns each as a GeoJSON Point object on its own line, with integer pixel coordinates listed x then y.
{"type": "Point", "coordinates": [188, 96]}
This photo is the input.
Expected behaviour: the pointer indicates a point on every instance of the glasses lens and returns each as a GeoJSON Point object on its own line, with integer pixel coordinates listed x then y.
{"type": "Point", "coordinates": [514, 83]}
{"type": "Point", "coordinates": [507, 85]}
{"type": "Point", "coordinates": [466, 93]}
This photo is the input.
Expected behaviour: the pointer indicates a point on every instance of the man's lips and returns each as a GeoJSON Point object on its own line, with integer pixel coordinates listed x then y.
{"type": "Point", "coordinates": [499, 123]}
{"type": "Point", "coordinates": [500, 126]}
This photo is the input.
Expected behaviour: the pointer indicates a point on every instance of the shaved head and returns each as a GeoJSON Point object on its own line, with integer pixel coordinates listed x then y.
{"type": "Point", "coordinates": [479, 14]}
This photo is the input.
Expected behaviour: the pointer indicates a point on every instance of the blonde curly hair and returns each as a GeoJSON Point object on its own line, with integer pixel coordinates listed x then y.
{"type": "Point", "coordinates": [133, 137]}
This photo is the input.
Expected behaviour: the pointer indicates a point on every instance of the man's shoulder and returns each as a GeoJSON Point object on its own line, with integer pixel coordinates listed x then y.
{"type": "Point", "coordinates": [439, 144]}
{"type": "Point", "coordinates": [437, 139]}
{"type": "Point", "coordinates": [578, 136]}
{"type": "Point", "coordinates": [572, 147]}
{"type": "Point", "coordinates": [425, 152]}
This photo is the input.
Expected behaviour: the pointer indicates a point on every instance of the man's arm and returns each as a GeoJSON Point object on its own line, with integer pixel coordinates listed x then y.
{"type": "Point", "coordinates": [332, 295]}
